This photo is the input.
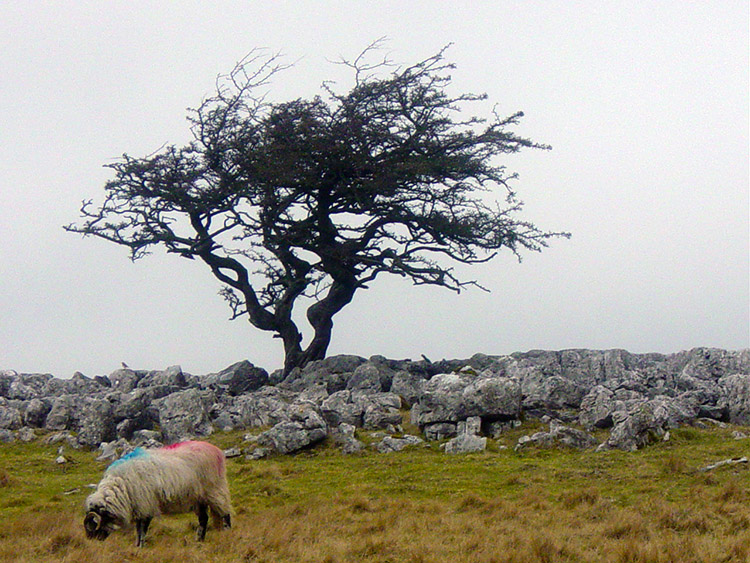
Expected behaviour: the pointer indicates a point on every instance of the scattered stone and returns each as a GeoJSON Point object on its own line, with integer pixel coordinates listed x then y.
{"type": "Point", "coordinates": [471, 426]}
{"type": "Point", "coordinates": [62, 413]}
{"type": "Point", "coordinates": [124, 379]}
{"type": "Point", "coordinates": [171, 378]}
{"type": "Point", "coordinates": [109, 452]}
{"type": "Point", "coordinates": [352, 446]}
{"type": "Point", "coordinates": [26, 434]}
{"type": "Point", "coordinates": [558, 435]}
{"type": "Point", "coordinates": [232, 452]}
{"type": "Point", "coordinates": [344, 437]}
{"type": "Point", "coordinates": [146, 439]}
{"type": "Point", "coordinates": [390, 444]}
{"type": "Point", "coordinates": [733, 461]}
{"type": "Point", "coordinates": [440, 430]}
{"type": "Point", "coordinates": [59, 437]}
{"type": "Point", "coordinates": [496, 428]}
{"type": "Point", "coordinates": [597, 408]}
{"type": "Point", "coordinates": [258, 453]}
{"type": "Point", "coordinates": [465, 443]}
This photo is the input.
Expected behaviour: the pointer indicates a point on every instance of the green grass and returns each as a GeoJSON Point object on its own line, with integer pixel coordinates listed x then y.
{"type": "Point", "coordinates": [650, 506]}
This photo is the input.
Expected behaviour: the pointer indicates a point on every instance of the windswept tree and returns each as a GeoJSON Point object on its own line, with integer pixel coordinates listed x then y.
{"type": "Point", "coordinates": [311, 200]}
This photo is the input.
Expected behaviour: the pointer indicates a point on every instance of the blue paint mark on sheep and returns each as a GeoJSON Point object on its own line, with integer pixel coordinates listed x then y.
{"type": "Point", "coordinates": [136, 453]}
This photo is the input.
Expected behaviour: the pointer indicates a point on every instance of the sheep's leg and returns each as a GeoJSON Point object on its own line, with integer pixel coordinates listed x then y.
{"type": "Point", "coordinates": [141, 527]}
{"type": "Point", "coordinates": [226, 521]}
{"type": "Point", "coordinates": [202, 521]}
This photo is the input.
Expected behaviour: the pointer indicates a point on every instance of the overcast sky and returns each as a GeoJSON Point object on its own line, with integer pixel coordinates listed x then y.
{"type": "Point", "coordinates": [644, 103]}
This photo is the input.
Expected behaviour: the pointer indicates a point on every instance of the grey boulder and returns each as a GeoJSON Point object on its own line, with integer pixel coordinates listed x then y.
{"type": "Point", "coordinates": [305, 428]}
{"type": "Point", "coordinates": [239, 378]}
{"type": "Point", "coordinates": [185, 414]}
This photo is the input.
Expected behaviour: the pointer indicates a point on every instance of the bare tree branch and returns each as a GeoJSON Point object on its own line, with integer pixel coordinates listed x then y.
{"type": "Point", "coordinates": [314, 199]}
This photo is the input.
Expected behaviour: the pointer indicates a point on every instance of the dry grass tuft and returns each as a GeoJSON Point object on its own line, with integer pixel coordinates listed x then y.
{"type": "Point", "coordinates": [733, 491]}
{"type": "Point", "coordinates": [674, 465]}
{"type": "Point", "coordinates": [684, 520]}
{"type": "Point", "coordinates": [471, 502]}
{"type": "Point", "coordinates": [627, 524]}
{"type": "Point", "coordinates": [61, 543]}
{"type": "Point", "coordinates": [5, 479]}
{"type": "Point", "coordinates": [572, 499]}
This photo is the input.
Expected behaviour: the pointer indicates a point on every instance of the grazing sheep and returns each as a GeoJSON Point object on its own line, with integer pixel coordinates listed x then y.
{"type": "Point", "coordinates": [184, 477]}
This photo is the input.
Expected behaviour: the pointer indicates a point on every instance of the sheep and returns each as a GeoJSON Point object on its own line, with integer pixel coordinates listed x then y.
{"type": "Point", "coordinates": [184, 477]}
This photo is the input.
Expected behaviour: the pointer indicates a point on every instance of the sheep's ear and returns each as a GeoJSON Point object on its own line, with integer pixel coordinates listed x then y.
{"type": "Point", "coordinates": [92, 522]}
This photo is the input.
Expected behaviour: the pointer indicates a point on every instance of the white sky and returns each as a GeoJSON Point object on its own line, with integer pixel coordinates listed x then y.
{"type": "Point", "coordinates": [644, 103]}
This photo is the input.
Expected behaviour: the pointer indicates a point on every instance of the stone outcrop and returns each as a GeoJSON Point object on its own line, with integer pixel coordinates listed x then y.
{"type": "Point", "coordinates": [304, 428]}
{"type": "Point", "coordinates": [559, 435]}
{"type": "Point", "coordinates": [637, 397]}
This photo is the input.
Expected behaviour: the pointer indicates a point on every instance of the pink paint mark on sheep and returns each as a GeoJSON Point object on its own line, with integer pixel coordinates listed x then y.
{"type": "Point", "coordinates": [195, 446]}
{"type": "Point", "coordinates": [177, 445]}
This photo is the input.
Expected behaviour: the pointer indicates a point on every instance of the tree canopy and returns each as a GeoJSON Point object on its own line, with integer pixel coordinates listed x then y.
{"type": "Point", "coordinates": [315, 198]}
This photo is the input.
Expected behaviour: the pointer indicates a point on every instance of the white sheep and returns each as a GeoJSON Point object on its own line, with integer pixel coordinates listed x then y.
{"type": "Point", "coordinates": [184, 477]}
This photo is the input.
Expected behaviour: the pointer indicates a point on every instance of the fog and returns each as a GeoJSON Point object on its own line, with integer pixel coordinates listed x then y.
{"type": "Point", "coordinates": [644, 104]}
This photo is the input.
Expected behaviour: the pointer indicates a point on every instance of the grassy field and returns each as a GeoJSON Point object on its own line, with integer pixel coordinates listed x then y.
{"type": "Point", "coordinates": [416, 506]}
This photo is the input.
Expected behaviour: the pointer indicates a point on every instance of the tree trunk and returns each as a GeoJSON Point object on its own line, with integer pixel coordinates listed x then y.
{"type": "Point", "coordinates": [320, 315]}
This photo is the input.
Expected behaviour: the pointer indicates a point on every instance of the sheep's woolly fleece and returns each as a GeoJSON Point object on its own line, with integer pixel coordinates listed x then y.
{"type": "Point", "coordinates": [172, 479]}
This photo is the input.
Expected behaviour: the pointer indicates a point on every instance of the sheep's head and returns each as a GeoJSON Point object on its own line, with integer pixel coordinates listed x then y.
{"type": "Point", "coordinates": [99, 523]}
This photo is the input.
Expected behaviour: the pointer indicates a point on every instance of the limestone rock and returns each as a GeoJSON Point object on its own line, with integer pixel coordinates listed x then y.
{"type": "Point", "coordinates": [10, 417]}
{"type": "Point", "coordinates": [96, 424]}
{"type": "Point", "coordinates": [408, 385]}
{"type": "Point", "coordinates": [466, 443]}
{"type": "Point", "coordinates": [334, 372]}
{"type": "Point", "coordinates": [239, 378]}
{"type": "Point", "coordinates": [390, 444]}
{"type": "Point", "coordinates": [25, 386]}
{"type": "Point", "coordinates": [457, 396]}
{"type": "Point", "coordinates": [597, 408]}
{"type": "Point", "coordinates": [371, 377]}
{"type": "Point", "coordinates": [559, 435]}
{"type": "Point", "coordinates": [184, 414]}
{"type": "Point", "coordinates": [735, 398]}
{"type": "Point", "coordinates": [362, 409]}
{"type": "Point", "coordinates": [62, 415]}
{"type": "Point", "coordinates": [171, 378]}
{"type": "Point", "coordinates": [125, 380]}
{"type": "Point", "coordinates": [305, 428]}
{"type": "Point", "coordinates": [291, 436]}
{"type": "Point", "coordinates": [36, 412]}
{"type": "Point", "coordinates": [266, 407]}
